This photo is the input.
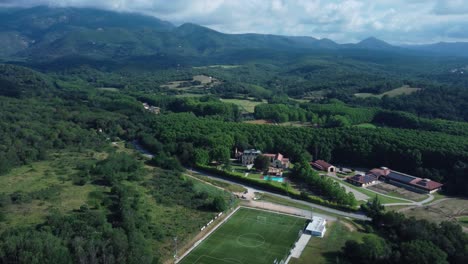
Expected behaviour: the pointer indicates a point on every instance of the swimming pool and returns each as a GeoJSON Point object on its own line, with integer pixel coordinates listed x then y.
{"type": "Point", "coordinates": [273, 178]}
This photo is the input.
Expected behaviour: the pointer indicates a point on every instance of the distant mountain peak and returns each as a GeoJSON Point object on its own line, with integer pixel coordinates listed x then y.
{"type": "Point", "coordinates": [372, 40]}
{"type": "Point", "coordinates": [189, 28]}
{"type": "Point", "coordinates": [373, 43]}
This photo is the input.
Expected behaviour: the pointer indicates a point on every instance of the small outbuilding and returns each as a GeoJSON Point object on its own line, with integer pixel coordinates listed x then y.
{"type": "Point", "coordinates": [323, 166]}
{"type": "Point", "coordinates": [317, 227]}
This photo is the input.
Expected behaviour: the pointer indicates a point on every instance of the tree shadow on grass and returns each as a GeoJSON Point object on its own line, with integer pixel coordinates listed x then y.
{"type": "Point", "coordinates": [334, 257]}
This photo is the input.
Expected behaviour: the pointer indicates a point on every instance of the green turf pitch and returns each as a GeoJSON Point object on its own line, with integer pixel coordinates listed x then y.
{"type": "Point", "coordinates": [248, 237]}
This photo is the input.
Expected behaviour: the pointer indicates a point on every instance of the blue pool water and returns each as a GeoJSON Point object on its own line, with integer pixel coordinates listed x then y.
{"type": "Point", "coordinates": [273, 178]}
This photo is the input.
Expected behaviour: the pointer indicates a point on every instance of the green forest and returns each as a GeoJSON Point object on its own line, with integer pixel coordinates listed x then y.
{"type": "Point", "coordinates": [44, 113]}
{"type": "Point", "coordinates": [75, 189]}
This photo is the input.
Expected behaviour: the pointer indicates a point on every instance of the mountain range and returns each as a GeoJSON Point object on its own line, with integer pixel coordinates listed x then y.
{"type": "Point", "coordinates": [46, 34]}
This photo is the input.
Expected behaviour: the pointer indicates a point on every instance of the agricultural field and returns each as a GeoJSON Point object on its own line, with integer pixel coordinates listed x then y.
{"type": "Point", "coordinates": [227, 67]}
{"type": "Point", "coordinates": [108, 89]}
{"type": "Point", "coordinates": [288, 124]}
{"type": "Point", "coordinates": [249, 236]}
{"type": "Point", "coordinates": [404, 90]}
{"type": "Point", "coordinates": [452, 209]}
{"type": "Point", "coordinates": [260, 122]}
{"type": "Point", "coordinates": [366, 125]}
{"type": "Point", "coordinates": [247, 106]}
{"type": "Point", "coordinates": [197, 83]}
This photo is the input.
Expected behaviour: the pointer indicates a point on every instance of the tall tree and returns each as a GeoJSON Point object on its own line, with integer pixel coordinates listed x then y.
{"type": "Point", "coordinates": [262, 163]}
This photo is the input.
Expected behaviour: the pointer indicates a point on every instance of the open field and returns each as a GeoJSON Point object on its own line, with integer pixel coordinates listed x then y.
{"type": "Point", "coordinates": [366, 125]}
{"type": "Point", "coordinates": [260, 122]}
{"type": "Point", "coordinates": [109, 89]}
{"type": "Point", "coordinates": [326, 249]}
{"type": "Point", "coordinates": [37, 189]}
{"type": "Point", "coordinates": [217, 66]}
{"type": "Point", "coordinates": [268, 122]}
{"type": "Point", "coordinates": [448, 210]}
{"type": "Point", "coordinates": [249, 236]}
{"type": "Point", "coordinates": [198, 82]}
{"type": "Point", "coordinates": [190, 95]}
{"type": "Point", "coordinates": [404, 90]}
{"type": "Point", "coordinates": [43, 186]}
{"type": "Point", "coordinates": [247, 106]}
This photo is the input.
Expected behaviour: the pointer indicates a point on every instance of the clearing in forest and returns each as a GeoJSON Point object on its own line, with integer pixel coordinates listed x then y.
{"type": "Point", "coordinates": [248, 106]}
{"type": "Point", "coordinates": [404, 90]}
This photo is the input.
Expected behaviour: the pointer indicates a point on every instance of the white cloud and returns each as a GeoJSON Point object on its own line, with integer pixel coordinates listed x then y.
{"type": "Point", "coordinates": [341, 20]}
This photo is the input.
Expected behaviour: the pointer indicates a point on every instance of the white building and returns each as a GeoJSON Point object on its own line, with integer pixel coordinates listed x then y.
{"type": "Point", "coordinates": [317, 227]}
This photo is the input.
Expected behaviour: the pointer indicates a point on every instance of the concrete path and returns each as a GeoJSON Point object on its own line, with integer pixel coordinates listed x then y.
{"type": "Point", "coordinates": [359, 216]}
{"type": "Point", "coordinates": [357, 194]}
{"type": "Point", "coordinates": [299, 246]}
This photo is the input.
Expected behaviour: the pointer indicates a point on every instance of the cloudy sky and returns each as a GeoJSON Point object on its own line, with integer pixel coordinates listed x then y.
{"type": "Point", "coordinates": [396, 21]}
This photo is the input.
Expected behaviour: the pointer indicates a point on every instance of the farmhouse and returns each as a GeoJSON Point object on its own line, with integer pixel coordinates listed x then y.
{"type": "Point", "coordinates": [249, 156]}
{"type": "Point", "coordinates": [406, 181]}
{"type": "Point", "coordinates": [278, 160]}
{"type": "Point", "coordinates": [362, 180]}
{"type": "Point", "coordinates": [317, 227]}
{"type": "Point", "coordinates": [323, 165]}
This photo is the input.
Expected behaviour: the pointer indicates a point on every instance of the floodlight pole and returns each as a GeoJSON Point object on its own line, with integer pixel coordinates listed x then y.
{"type": "Point", "coordinates": [175, 250]}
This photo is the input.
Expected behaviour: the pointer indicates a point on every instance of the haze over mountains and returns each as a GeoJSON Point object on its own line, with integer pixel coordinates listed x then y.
{"type": "Point", "coordinates": [43, 34]}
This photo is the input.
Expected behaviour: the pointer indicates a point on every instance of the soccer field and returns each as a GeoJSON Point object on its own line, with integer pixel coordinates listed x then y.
{"type": "Point", "coordinates": [248, 237]}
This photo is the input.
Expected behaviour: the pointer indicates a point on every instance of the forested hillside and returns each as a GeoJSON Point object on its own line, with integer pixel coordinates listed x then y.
{"type": "Point", "coordinates": [73, 82]}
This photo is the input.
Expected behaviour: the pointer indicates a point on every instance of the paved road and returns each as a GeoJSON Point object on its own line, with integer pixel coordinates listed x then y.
{"type": "Point", "coordinates": [357, 194]}
{"type": "Point", "coordinates": [359, 216]}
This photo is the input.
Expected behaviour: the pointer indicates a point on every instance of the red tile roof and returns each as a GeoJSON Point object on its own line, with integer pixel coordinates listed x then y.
{"type": "Point", "coordinates": [427, 184]}
{"type": "Point", "coordinates": [379, 172]}
{"type": "Point", "coordinates": [363, 179]}
{"type": "Point", "coordinates": [410, 180]}
{"type": "Point", "coordinates": [321, 164]}
{"type": "Point", "coordinates": [279, 156]}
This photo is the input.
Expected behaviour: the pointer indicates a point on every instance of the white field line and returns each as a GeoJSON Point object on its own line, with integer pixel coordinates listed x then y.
{"type": "Point", "coordinates": [272, 211]}
{"type": "Point", "coordinates": [204, 237]}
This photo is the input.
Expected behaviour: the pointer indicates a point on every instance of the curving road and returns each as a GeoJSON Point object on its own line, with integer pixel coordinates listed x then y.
{"type": "Point", "coordinates": [358, 216]}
